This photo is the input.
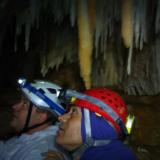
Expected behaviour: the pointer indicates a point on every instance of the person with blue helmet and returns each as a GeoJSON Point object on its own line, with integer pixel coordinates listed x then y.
{"type": "Point", "coordinates": [94, 126]}
{"type": "Point", "coordinates": [34, 119]}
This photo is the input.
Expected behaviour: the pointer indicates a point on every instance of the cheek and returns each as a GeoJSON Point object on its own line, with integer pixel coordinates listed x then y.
{"type": "Point", "coordinates": [34, 118]}
{"type": "Point", "coordinates": [74, 131]}
{"type": "Point", "coordinates": [22, 116]}
{"type": "Point", "coordinates": [18, 122]}
{"type": "Point", "coordinates": [71, 137]}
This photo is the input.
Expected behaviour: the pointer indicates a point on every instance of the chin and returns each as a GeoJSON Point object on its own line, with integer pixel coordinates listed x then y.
{"type": "Point", "coordinates": [60, 142]}
{"type": "Point", "coordinates": [68, 147]}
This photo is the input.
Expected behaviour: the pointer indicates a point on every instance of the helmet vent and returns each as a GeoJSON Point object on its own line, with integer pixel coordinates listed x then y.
{"type": "Point", "coordinates": [103, 97]}
{"type": "Point", "coordinates": [41, 90]}
{"type": "Point", "coordinates": [110, 101]}
{"type": "Point", "coordinates": [51, 90]}
{"type": "Point", "coordinates": [122, 104]}
{"type": "Point", "coordinates": [116, 106]}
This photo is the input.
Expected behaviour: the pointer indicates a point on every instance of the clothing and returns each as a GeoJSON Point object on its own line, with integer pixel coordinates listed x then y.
{"type": "Point", "coordinates": [116, 150]}
{"type": "Point", "coordinates": [101, 129]}
{"type": "Point", "coordinates": [29, 147]}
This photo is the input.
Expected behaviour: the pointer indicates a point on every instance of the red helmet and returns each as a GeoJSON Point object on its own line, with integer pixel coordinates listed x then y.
{"type": "Point", "coordinates": [111, 99]}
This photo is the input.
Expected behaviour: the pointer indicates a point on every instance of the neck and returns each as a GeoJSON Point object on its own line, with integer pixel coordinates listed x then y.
{"type": "Point", "coordinates": [39, 128]}
{"type": "Point", "coordinates": [77, 158]}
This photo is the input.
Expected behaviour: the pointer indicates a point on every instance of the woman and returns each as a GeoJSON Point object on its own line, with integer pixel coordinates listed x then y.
{"type": "Point", "coordinates": [93, 127]}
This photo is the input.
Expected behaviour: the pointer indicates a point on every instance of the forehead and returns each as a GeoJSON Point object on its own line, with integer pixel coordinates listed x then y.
{"type": "Point", "coordinates": [24, 98]}
{"type": "Point", "coordinates": [20, 94]}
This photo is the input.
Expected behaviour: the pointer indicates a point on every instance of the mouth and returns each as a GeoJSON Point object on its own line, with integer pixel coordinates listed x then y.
{"type": "Point", "coordinates": [61, 130]}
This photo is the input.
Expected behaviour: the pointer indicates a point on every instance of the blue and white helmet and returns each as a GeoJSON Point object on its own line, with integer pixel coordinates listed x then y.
{"type": "Point", "coordinates": [43, 95]}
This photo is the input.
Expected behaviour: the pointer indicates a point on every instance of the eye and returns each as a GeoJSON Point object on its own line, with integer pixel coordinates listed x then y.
{"type": "Point", "coordinates": [70, 109]}
{"type": "Point", "coordinates": [74, 109]}
{"type": "Point", "coordinates": [67, 108]}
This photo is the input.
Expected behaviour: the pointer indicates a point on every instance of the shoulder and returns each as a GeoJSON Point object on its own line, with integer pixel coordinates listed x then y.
{"type": "Point", "coordinates": [32, 154]}
{"type": "Point", "coordinates": [33, 150]}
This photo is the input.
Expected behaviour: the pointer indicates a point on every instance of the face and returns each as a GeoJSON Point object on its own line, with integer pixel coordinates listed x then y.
{"type": "Point", "coordinates": [20, 112]}
{"type": "Point", "coordinates": [69, 133]}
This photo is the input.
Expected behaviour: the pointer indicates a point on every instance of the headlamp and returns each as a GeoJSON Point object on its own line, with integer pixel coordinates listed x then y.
{"type": "Point", "coordinates": [129, 123]}
{"type": "Point", "coordinates": [21, 82]}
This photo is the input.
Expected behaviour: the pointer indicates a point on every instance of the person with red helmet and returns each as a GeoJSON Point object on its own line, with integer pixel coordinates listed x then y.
{"type": "Point", "coordinates": [94, 125]}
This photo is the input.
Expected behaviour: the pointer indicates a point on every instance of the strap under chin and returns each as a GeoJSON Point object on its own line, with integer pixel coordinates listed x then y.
{"type": "Point", "coordinates": [89, 143]}
{"type": "Point", "coordinates": [35, 126]}
{"type": "Point", "coordinates": [27, 119]}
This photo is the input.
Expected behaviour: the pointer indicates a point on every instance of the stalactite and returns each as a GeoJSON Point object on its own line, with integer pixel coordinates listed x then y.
{"type": "Point", "coordinates": [157, 21]}
{"type": "Point", "coordinates": [105, 70]}
{"type": "Point", "coordinates": [97, 38]}
{"type": "Point", "coordinates": [61, 46]}
{"type": "Point", "coordinates": [127, 29]}
{"type": "Point", "coordinates": [73, 9]}
{"type": "Point", "coordinates": [139, 22]}
{"type": "Point", "coordinates": [129, 61]}
{"type": "Point", "coordinates": [61, 8]}
{"type": "Point", "coordinates": [35, 7]}
{"type": "Point", "coordinates": [101, 20]}
{"type": "Point", "coordinates": [127, 22]}
{"type": "Point", "coordinates": [107, 12]}
{"type": "Point", "coordinates": [27, 36]}
{"type": "Point", "coordinates": [17, 32]}
{"type": "Point", "coordinates": [157, 64]}
{"type": "Point", "coordinates": [92, 14]}
{"type": "Point", "coordinates": [28, 17]}
{"type": "Point", "coordinates": [57, 10]}
{"type": "Point", "coordinates": [23, 19]}
{"type": "Point", "coordinates": [85, 43]}
{"type": "Point", "coordinates": [111, 74]}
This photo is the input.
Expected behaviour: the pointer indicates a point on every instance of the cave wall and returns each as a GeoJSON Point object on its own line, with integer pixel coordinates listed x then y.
{"type": "Point", "coordinates": [41, 35]}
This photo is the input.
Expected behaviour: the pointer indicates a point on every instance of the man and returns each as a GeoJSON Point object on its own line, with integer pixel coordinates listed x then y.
{"type": "Point", "coordinates": [33, 119]}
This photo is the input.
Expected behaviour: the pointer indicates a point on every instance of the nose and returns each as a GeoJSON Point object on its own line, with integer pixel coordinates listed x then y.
{"type": "Point", "coordinates": [64, 117]}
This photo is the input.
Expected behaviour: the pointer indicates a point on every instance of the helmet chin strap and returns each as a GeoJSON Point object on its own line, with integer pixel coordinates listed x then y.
{"type": "Point", "coordinates": [27, 119]}
{"type": "Point", "coordinates": [26, 128]}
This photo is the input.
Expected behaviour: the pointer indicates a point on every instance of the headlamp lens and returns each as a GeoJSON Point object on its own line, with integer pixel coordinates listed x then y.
{"type": "Point", "coordinates": [21, 82]}
{"type": "Point", "coordinates": [129, 123]}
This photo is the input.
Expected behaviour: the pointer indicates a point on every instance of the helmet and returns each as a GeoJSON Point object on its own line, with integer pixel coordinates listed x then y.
{"type": "Point", "coordinates": [106, 103]}
{"type": "Point", "coordinates": [43, 94]}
